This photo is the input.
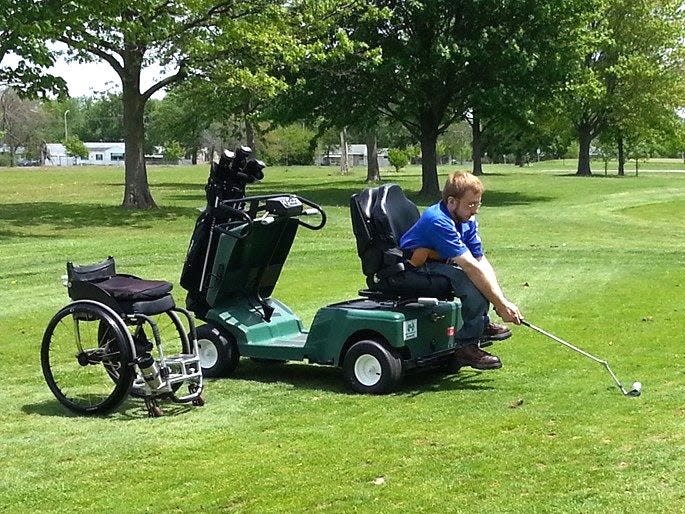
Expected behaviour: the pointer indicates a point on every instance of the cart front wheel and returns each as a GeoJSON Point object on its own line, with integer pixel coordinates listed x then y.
{"type": "Point", "coordinates": [370, 368]}
{"type": "Point", "coordinates": [218, 352]}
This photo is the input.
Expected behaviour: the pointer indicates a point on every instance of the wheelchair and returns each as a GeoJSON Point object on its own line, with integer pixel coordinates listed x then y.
{"type": "Point", "coordinates": [121, 335]}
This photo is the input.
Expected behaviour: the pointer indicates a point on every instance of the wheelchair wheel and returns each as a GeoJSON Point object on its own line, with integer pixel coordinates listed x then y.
{"type": "Point", "coordinates": [86, 359]}
{"type": "Point", "coordinates": [174, 341]}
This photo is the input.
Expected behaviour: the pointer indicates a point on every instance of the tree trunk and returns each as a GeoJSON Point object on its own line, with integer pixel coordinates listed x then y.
{"type": "Point", "coordinates": [518, 159]}
{"type": "Point", "coordinates": [429, 167]}
{"type": "Point", "coordinates": [477, 146]}
{"type": "Point", "coordinates": [193, 155]}
{"type": "Point", "coordinates": [136, 189]}
{"type": "Point", "coordinates": [250, 136]}
{"type": "Point", "coordinates": [584, 141]}
{"type": "Point", "coordinates": [621, 157]}
{"type": "Point", "coordinates": [344, 164]}
{"type": "Point", "coordinates": [373, 173]}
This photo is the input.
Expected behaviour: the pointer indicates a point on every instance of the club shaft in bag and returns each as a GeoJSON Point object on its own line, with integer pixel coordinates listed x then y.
{"type": "Point", "coordinates": [635, 391]}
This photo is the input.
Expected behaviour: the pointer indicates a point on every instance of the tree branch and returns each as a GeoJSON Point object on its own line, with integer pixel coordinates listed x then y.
{"type": "Point", "coordinates": [98, 52]}
{"type": "Point", "coordinates": [165, 82]}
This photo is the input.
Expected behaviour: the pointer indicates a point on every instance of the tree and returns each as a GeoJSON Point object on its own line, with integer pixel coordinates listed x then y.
{"type": "Point", "coordinates": [418, 62]}
{"type": "Point", "coordinates": [129, 34]}
{"type": "Point", "coordinates": [182, 116]}
{"type": "Point", "coordinates": [630, 71]}
{"type": "Point", "coordinates": [75, 147]}
{"type": "Point", "coordinates": [290, 145]}
{"type": "Point", "coordinates": [20, 122]}
{"type": "Point", "coordinates": [24, 57]}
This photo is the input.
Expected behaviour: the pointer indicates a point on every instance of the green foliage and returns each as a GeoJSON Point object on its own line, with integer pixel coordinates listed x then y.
{"type": "Point", "coordinates": [629, 83]}
{"type": "Point", "coordinates": [398, 158]}
{"type": "Point", "coordinates": [75, 148]}
{"type": "Point", "coordinates": [289, 145]}
{"type": "Point", "coordinates": [24, 55]}
{"type": "Point", "coordinates": [173, 151]}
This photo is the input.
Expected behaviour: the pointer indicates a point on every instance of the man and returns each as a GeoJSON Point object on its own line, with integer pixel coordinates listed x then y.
{"type": "Point", "coordinates": [445, 241]}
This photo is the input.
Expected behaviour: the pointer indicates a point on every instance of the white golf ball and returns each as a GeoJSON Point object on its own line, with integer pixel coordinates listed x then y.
{"type": "Point", "coordinates": [637, 386]}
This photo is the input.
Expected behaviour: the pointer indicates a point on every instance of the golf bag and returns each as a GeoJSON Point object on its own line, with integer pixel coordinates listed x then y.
{"type": "Point", "coordinates": [227, 181]}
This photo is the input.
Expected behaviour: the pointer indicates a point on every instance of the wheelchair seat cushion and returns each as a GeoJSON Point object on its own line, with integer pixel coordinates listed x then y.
{"type": "Point", "coordinates": [132, 289]}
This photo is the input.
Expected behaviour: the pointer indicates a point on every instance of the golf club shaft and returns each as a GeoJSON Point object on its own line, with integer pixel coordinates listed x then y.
{"type": "Point", "coordinates": [576, 349]}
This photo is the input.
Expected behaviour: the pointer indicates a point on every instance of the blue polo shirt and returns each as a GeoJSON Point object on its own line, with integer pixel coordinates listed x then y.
{"type": "Point", "coordinates": [437, 231]}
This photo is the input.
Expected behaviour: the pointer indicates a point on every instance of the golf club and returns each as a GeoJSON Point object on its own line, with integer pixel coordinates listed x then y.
{"type": "Point", "coordinates": [637, 386]}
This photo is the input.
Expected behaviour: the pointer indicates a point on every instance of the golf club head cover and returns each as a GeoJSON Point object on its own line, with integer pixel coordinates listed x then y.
{"type": "Point", "coordinates": [255, 169]}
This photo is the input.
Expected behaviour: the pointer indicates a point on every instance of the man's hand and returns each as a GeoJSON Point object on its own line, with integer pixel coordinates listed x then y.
{"type": "Point", "coordinates": [509, 312]}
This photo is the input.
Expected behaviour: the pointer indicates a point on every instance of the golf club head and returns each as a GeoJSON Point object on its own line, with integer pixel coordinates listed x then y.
{"type": "Point", "coordinates": [636, 390]}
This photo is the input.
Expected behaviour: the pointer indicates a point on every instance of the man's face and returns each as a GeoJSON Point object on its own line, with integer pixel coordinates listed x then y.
{"type": "Point", "coordinates": [462, 209]}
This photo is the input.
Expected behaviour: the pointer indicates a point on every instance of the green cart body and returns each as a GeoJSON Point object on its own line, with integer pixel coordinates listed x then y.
{"type": "Point", "coordinates": [243, 320]}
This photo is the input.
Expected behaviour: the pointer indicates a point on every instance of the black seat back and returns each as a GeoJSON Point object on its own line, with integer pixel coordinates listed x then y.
{"type": "Point", "coordinates": [380, 217]}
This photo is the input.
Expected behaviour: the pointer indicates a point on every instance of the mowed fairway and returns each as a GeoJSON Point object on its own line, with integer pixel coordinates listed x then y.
{"type": "Point", "coordinates": [598, 261]}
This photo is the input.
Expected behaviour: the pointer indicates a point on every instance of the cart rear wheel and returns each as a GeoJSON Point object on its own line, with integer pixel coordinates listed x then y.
{"type": "Point", "coordinates": [89, 369]}
{"type": "Point", "coordinates": [371, 368]}
{"type": "Point", "coordinates": [218, 352]}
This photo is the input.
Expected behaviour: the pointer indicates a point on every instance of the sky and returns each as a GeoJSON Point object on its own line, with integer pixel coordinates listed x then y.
{"type": "Point", "coordinates": [89, 79]}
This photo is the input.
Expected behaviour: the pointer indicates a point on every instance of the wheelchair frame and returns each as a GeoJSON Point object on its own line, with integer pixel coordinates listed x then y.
{"type": "Point", "coordinates": [122, 347]}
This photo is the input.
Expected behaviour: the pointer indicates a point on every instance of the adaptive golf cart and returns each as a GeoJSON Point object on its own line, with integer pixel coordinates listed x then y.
{"type": "Point", "coordinates": [403, 320]}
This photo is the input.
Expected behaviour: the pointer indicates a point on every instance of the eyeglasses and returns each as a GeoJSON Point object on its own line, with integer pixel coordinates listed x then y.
{"type": "Point", "coordinates": [474, 205]}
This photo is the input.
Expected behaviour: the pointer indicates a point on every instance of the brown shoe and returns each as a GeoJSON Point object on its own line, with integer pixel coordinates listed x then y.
{"type": "Point", "coordinates": [472, 355]}
{"type": "Point", "coordinates": [495, 332]}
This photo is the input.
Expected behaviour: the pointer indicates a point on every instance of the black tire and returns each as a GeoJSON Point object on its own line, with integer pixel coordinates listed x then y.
{"type": "Point", "coordinates": [218, 351]}
{"type": "Point", "coordinates": [174, 341]}
{"type": "Point", "coordinates": [371, 368]}
{"type": "Point", "coordinates": [89, 369]}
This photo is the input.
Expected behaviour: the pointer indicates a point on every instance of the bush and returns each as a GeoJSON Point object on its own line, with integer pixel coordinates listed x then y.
{"type": "Point", "coordinates": [173, 151]}
{"type": "Point", "coordinates": [289, 145]}
{"type": "Point", "coordinates": [76, 148]}
{"type": "Point", "coordinates": [398, 158]}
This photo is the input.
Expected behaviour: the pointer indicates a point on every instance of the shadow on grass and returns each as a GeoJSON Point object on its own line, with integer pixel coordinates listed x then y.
{"type": "Point", "coordinates": [330, 379]}
{"type": "Point", "coordinates": [338, 194]}
{"type": "Point", "coordinates": [132, 408]}
{"type": "Point", "coordinates": [63, 216]}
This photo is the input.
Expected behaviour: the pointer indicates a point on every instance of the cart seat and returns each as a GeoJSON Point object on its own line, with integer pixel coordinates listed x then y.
{"type": "Point", "coordinates": [380, 216]}
{"type": "Point", "coordinates": [126, 294]}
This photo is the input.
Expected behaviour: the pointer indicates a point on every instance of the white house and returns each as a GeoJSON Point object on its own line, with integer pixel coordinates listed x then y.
{"type": "Point", "coordinates": [356, 155]}
{"type": "Point", "coordinates": [98, 154]}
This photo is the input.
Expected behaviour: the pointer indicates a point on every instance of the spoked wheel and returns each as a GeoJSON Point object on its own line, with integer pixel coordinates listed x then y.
{"type": "Point", "coordinates": [174, 341]}
{"type": "Point", "coordinates": [218, 352]}
{"type": "Point", "coordinates": [86, 359]}
{"type": "Point", "coordinates": [371, 368]}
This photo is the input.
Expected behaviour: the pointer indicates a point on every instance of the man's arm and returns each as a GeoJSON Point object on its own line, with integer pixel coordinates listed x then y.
{"type": "Point", "coordinates": [482, 274]}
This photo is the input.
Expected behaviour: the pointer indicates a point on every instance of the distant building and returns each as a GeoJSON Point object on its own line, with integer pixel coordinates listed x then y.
{"type": "Point", "coordinates": [356, 155]}
{"type": "Point", "coordinates": [104, 154]}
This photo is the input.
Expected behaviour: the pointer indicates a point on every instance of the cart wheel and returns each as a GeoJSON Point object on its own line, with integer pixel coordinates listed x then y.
{"type": "Point", "coordinates": [218, 352]}
{"type": "Point", "coordinates": [89, 369]}
{"type": "Point", "coordinates": [371, 368]}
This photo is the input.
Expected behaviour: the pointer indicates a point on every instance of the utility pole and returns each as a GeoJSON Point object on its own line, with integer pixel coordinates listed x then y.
{"type": "Point", "coordinates": [66, 134]}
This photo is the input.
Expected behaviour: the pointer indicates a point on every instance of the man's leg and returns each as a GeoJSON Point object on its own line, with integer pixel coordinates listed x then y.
{"type": "Point", "coordinates": [474, 309]}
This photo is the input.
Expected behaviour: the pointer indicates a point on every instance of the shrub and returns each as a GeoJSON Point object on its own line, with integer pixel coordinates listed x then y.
{"type": "Point", "coordinates": [398, 158]}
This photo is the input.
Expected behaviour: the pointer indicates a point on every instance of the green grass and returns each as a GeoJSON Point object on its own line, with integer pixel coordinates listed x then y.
{"type": "Point", "coordinates": [598, 261]}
